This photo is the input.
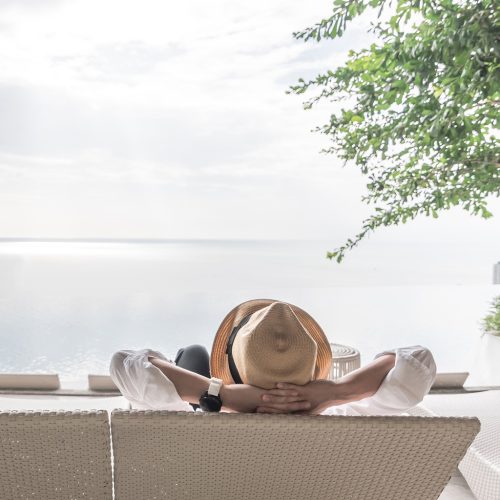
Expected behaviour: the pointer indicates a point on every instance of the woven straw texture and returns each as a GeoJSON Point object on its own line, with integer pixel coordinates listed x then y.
{"type": "Point", "coordinates": [219, 366]}
{"type": "Point", "coordinates": [186, 456]}
{"type": "Point", "coordinates": [55, 455]}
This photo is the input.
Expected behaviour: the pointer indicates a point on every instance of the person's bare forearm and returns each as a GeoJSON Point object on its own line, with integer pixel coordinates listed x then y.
{"type": "Point", "coordinates": [189, 385]}
{"type": "Point", "coordinates": [359, 384]}
{"type": "Point", "coordinates": [364, 382]}
{"type": "Point", "coordinates": [321, 394]}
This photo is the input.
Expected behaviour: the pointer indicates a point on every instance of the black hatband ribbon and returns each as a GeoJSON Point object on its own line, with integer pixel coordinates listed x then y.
{"type": "Point", "coordinates": [229, 350]}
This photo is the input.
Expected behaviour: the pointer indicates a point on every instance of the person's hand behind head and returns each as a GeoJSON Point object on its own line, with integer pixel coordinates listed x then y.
{"type": "Point", "coordinates": [311, 398]}
{"type": "Point", "coordinates": [246, 398]}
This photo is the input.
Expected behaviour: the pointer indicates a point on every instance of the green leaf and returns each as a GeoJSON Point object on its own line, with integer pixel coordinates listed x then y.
{"type": "Point", "coordinates": [420, 108]}
{"type": "Point", "coordinates": [437, 92]}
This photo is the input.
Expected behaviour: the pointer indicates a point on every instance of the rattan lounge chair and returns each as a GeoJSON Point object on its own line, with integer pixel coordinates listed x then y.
{"type": "Point", "coordinates": [63, 455]}
{"type": "Point", "coordinates": [55, 455]}
{"type": "Point", "coordinates": [189, 456]}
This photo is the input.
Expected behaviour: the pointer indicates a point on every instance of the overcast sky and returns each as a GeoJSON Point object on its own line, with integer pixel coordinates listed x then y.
{"type": "Point", "coordinates": [170, 120]}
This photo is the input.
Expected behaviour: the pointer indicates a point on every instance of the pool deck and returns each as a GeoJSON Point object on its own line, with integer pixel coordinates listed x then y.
{"type": "Point", "coordinates": [50, 402]}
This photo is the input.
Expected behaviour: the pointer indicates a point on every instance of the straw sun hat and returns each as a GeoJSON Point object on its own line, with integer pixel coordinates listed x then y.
{"type": "Point", "coordinates": [262, 342]}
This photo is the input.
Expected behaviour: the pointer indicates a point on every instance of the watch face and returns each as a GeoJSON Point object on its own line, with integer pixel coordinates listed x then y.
{"type": "Point", "coordinates": [210, 403]}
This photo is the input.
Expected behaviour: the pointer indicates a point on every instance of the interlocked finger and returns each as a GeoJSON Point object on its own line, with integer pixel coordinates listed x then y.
{"type": "Point", "coordinates": [283, 392]}
{"type": "Point", "coordinates": [270, 399]}
{"type": "Point", "coordinates": [290, 407]}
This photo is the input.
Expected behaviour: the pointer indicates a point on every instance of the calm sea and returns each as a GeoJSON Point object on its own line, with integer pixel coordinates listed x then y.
{"type": "Point", "coordinates": [67, 306]}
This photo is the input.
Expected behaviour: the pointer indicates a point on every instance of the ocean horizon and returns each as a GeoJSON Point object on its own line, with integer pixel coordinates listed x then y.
{"type": "Point", "coordinates": [67, 304]}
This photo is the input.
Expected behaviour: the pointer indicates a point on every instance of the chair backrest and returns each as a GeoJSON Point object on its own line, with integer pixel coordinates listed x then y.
{"type": "Point", "coordinates": [159, 454]}
{"type": "Point", "coordinates": [55, 455]}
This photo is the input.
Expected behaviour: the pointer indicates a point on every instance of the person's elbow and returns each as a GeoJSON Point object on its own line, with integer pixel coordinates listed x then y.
{"type": "Point", "coordinates": [424, 376]}
{"type": "Point", "coordinates": [409, 381]}
{"type": "Point", "coordinates": [116, 366]}
{"type": "Point", "coordinates": [424, 356]}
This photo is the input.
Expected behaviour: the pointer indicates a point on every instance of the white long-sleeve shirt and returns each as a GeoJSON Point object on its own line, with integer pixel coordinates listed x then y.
{"type": "Point", "coordinates": [406, 384]}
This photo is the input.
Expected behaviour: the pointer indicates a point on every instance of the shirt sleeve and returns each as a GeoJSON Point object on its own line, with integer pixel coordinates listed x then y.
{"type": "Point", "coordinates": [405, 385]}
{"type": "Point", "coordinates": [143, 384]}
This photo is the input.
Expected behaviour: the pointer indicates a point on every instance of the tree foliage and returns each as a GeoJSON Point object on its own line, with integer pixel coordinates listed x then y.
{"type": "Point", "coordinates": [421, 106]}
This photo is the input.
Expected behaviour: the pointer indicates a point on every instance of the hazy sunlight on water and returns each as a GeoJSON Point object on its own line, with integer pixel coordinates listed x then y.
{"type": "Point", "coordinates": [67, 306]}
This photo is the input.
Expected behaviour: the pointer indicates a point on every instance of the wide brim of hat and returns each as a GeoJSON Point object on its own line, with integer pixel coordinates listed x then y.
{"type": "Point", "coordinates": [219, 366]}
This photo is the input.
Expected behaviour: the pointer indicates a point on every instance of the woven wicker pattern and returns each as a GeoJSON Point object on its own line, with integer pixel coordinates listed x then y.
{"type": "Point", "coordinates": [55, 455]}
{"type": "Point", "coordinates": [271, 457]}
{"type": "Point", "coordinates": [345, 360]}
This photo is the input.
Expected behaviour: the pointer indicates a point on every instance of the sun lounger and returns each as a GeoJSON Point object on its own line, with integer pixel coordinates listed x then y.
{"type": "Point", "coordinates": [102, 383]}
{"type": "Point", "coordinates": [55, 455]}
{"type": "Point", "coordinates": [24, 381]}
{"type": "Point", "coordinates": [252, 457]}
{"type": "Point", "coordinates": [62, 455]}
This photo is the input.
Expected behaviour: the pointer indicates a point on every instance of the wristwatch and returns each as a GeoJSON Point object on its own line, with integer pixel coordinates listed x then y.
{"type": "Point", "coordinates": [210, 400]}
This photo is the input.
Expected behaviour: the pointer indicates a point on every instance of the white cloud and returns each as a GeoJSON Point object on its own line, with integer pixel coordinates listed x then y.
{"type": "Point", "coordinates": [153, 118]}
